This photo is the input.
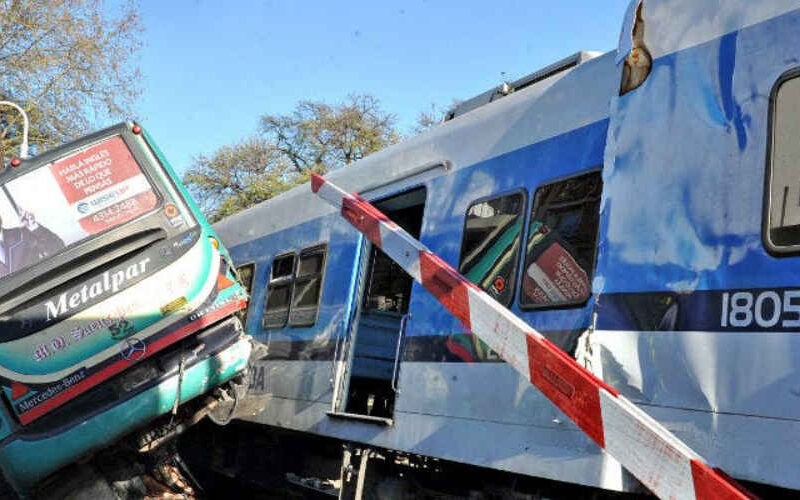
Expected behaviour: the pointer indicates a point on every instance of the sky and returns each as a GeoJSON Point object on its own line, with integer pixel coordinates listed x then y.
{"type": "Point", "coordinates": [212, 68]}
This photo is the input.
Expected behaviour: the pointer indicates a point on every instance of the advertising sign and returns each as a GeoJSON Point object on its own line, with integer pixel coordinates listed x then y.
{"type": "Point", "coordinates": [104, 186]}
{"type": "Point", "coordinates": [74, 198]}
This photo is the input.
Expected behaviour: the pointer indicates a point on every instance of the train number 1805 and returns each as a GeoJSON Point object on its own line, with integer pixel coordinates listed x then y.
{"type": "Point", "coordinates": [767, 309]}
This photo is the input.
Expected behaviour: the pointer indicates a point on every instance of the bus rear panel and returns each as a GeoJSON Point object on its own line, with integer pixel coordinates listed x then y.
{"type": "Point", "coordinates": [111, 283]}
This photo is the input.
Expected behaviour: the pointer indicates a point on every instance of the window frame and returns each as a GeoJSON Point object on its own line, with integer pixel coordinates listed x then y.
{"type": "Point", "coordinates": [309, 250]}
{"type": "Point", "coordinates": [524, 256]}
{"type": "Point", "coordinates": [147, 161]}
{"type": "Point", "coordinates": [522, 191]}
{"type": "Point", "coordinates": [766, 239]}
{"type": "Point", "coordinates": [249, 290]}
{"type": "Point", "coordinates": [368, 250]}
{"type": "Point", "coordinates": [279, 281]}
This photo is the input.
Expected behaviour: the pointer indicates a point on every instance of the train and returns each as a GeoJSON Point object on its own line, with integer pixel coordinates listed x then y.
{"type": "Point", "coordinates": [639, 208]}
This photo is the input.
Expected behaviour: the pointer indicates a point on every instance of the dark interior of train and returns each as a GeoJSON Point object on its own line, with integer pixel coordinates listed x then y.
{"type": "Point", "coordinates": [386, 295]}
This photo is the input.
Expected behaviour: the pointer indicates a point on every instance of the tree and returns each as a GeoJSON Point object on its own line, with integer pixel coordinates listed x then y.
{"type": "Point", "coordinates": [319, 137]}
{"type": "Point", "coordinates": [314, 137]}
{"type": "Point", "coordinates": [428, 118]}
{"type": "Point", "coordinates": [240, 175]}
{"type": "Point", "coordinates": [434, 115]}
{"type": "Point", "coordinates": [68, 63]}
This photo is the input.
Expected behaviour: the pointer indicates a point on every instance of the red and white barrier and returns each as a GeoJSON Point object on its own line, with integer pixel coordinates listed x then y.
{"type": "Point", "coordinates": [669, 468]}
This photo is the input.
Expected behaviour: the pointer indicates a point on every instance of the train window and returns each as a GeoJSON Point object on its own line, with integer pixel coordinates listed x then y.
{"type": "Point", "coordinates": [308, 286]}
{"type": "Point", "coordinates": [388, 286]}
{"type": "Point", "coordinates": [279, 292]}
{"type": "Point", "coordinates": [245, 273]}
{"type": "Point", "coordinates": [782, 218]}
{"type": "Point", "coordinates": [562, 242]}
{"type": "Point", "coordinates": [490, 248]}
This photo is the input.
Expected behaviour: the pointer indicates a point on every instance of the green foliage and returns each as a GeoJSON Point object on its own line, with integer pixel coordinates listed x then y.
{"type": "Point", "coordinates": [69, 63]}
{"type": "Point", "coordinates": [238, 176]}
{"type": "Point", "coordinates": [314, 137]}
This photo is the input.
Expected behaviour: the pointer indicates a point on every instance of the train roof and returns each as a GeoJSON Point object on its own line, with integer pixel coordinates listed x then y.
{"type": "Point", "coordinates": [567, 100]}
{"type": "Point", "coordinates": [554, 103]}
{"type": "Point", "coordinates": [507, 88]}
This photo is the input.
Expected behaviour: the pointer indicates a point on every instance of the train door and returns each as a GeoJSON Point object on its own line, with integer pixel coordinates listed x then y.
{"type": "Point", "coordinates": [368, 376]}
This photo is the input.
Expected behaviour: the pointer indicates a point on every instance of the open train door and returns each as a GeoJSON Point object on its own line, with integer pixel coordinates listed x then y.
{"type": "Point", "coordinates": [367, 374]}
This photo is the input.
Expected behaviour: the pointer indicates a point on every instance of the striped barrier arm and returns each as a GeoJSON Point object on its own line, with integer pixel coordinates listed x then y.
{"type": "Point", "coordinates": [668, 467]}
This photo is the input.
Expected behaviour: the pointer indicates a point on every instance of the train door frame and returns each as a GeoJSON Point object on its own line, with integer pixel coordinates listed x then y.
{"type": "Point", "coordinates": [365, 257]}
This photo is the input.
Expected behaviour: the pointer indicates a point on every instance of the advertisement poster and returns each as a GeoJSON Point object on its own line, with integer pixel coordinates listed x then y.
{"type": "Point", "coordinates": [72, 199]}
{"type": "Point", "coordinates": [555, 278]}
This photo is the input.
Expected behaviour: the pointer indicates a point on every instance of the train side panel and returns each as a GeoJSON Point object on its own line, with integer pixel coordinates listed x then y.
{"type": "Point", "coordinates": [473, 410]}
{"type": "Point", "coordinates": [683, 254]}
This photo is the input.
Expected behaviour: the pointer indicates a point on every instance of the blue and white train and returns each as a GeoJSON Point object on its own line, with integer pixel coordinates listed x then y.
{"type": "Point", "coordinates": [640, 208]}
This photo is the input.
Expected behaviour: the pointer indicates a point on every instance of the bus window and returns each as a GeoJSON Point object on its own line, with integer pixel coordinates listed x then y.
{"type": "Point", "coordinates": [782, 224]}
{"type": "Point", "coordinates": [308, 286]}
{"type": "Point", "coordinates": [562, 241]}
{"type": "Point", "coordinates": [279, 291]}
{"type": "Point", "coordinates": [76, 197]}
{"type": "Point", "coordinates": [245, 273]}
{"type": "Point", "coordinates": [490, 248]}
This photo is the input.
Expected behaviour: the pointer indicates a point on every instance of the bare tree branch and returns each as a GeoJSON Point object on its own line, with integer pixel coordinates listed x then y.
{"type": "Point", "coordinates": [314, 137]}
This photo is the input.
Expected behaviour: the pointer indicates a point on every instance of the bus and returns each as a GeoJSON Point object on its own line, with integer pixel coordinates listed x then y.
{"type": "Point", "coordinates": [117, 301]}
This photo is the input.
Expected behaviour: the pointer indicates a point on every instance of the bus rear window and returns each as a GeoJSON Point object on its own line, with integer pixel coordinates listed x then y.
{"type": "Point", "coordinates": [69, 200]}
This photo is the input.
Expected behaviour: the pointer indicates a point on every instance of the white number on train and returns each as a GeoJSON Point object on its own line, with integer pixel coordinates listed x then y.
{"type": "Point", "coordinates": [767, 309]}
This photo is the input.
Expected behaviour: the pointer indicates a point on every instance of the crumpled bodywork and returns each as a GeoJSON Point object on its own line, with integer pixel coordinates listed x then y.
{"type": "Point", "coordinates": [682, 216]}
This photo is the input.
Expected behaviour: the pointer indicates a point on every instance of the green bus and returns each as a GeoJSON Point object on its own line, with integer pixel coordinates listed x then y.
{"type": "Point", "coordinates": [117, 301]}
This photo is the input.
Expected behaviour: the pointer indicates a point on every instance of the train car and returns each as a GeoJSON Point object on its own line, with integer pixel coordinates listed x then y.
{"type": "Point", "coordinates": [639, 208]}
{"type": "Point", "coordinates": [117, 303]}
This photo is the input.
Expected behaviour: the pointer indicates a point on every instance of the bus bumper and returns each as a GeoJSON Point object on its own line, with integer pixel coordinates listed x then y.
{"type": "Point", "coordinates": [26, 460]}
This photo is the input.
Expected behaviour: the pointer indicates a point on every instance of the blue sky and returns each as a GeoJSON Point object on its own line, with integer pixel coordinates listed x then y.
{"type": "Point", "coordinates": [212, 68]}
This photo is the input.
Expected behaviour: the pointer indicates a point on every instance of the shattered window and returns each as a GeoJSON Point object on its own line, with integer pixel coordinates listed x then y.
{"type": "Point", "coordinates": [245, 273]}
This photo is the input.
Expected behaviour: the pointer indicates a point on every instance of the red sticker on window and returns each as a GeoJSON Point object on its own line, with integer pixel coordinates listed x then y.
{"type": "Point", "coordinates": [556, 278]}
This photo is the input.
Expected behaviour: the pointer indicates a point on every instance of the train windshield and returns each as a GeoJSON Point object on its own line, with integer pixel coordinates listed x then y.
{"type": "Point", "coordinates": [70, 199]}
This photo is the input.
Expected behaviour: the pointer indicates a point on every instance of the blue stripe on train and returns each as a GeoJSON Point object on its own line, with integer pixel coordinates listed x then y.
{"type": "Point", "coordinates": [447, 201]}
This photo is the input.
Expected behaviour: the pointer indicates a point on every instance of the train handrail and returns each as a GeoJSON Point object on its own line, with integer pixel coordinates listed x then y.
{"type": "Point", "coordinates": [400, 334]}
